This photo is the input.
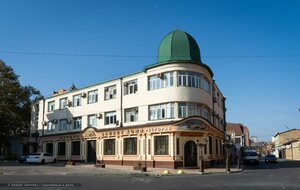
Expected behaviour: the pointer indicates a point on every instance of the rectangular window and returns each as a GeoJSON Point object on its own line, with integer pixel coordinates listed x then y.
{"type": "Point", "coordinates": [161, 145]}
{"type": "Point", "coordinates": [190, 79]}
{"type": "Point", "coordinates": [61, 146]}
{"type": "Point", "coordinates": [49, 148]}
{"type": "Point", "coordinates": [160, 80]}
{"type": "Point", "coordinates": [177, 146]}
{"type": "Point", "coordinates": [92, 120]}
{"type": "Point", "coordinates": [110, 118]}
{"type": "Point", "coordinates": [63, 103]}
{"type": "Point", "coordinates": [210, 145]}
{"type": "Point", "coordinates": [110, 92]}
{"type": "Point", "coordinates": [92, 96]}
{"type": "Point", "coordinates": [131, 115]}
{"type": "Point", "coordinates": [206, 113]}
{"type": "Point", "coordinates": [217, 146]}
{"type": "Point", "coordinates": [50, 126]}
{"type": "Point", "coordinates": [189, 109]}
{"type": "Point", "coordinates": [130, 146]}
{"type": "Point", "coordinates": [77, 123]}
{"type": "Point", "coordinates": [51, 106]}
{"type": "Point", "coordinates": [77, 100]}
{"type": "Point", "coordinates": [206, 85]}
{"type": "Point", "coordinates": [109, 146]}
{"type": "Point", "coordinates": [131, 87]}
{"type": "Point", "coordinates": [75, 148]}
{"type": "Point", "coordinates": [63, 124]}
{"type": "Point", "coordinates": [161, 111]}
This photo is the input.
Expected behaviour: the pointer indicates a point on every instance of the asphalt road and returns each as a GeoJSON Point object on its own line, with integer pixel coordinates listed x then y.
{"type": "Point", "coordinates": [284, 175]}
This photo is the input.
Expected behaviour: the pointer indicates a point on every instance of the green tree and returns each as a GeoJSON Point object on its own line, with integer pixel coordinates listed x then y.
{"type": "Point", "coordinates": [15, 105]}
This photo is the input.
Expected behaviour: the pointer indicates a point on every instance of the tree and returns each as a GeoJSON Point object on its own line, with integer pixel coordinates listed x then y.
{"type": "Point", "coordinates": [15, 105]}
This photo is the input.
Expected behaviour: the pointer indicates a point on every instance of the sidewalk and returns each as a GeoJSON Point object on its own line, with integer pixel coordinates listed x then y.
{"type": "Point", "coordinates": [157, 171]}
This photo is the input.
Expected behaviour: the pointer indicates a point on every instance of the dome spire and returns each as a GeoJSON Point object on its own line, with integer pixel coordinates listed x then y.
{"type": "Point", "coordinates": [178, 46]}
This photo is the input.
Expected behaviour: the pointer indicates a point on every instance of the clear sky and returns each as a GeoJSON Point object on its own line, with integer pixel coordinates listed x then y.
{"type": "Point", "coordinates": [251, 46]}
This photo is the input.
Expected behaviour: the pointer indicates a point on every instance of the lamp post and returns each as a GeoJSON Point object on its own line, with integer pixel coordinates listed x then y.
{"type": "Point", "coordinates": [201, 143]}
{"type": "Point", "coordinates": [227, 146]}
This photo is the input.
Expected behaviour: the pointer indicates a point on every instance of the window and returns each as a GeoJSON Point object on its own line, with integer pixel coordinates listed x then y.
{"type": "Point", "coordinates": [238, 140]}
{"type": "Point", "coordinates": [177, 146]}
{"type": "Point", "coordinates": [61, 148]}
{"type": "Point", "coordinates": [75, 148]}
{"type": "Point", "coordinates": [161, 145]}
{"type": "Point", "coordinates": [92, 96]}
{"type": "Point", "coordinates": [77, 100]}
{"type": "Point", "coordinates": [131, 115]}
{"type": "Point", "coordinates": [50, 126]}
{"type": "Point", "coordinates": [206, 85]}
{"type": "Point", "coordinates": [210, 145]}
{"type": "Point", "coordinates": [110, 92]}
{"type": "Point", "coordinates": [110, 118]}
{"type": "Point", "coordinates": [189, 109]}
{"type": "Point", "coordinates": [51, 106]}
{"type": "Point", "coordinates": [191, 79]}
{"type": "Point", "coordinates": [217, 146]}
{"type": "Point", "coordinates": [161, 111]}
{"type": "Point", "coordinates": [109, 147]}
{"type": "Point", "coordinates": [92, 120]}
{"type": "Point", "coordinates": [161, 80]}
{"type": "Point", "coordinates": [130, 146]}
{"type": "Point", "coordinates": [49, 148]}
{"type": "Point", "coordinates": [206, 113]}
{"type": "Point", "coordinates": [77, 123]}
{"type": "Point", "coordinates": [131, 87]}
{"type": "Point", "coordinates": [63, 103]}
{"type": "Point", "coordinates": [63, 125]}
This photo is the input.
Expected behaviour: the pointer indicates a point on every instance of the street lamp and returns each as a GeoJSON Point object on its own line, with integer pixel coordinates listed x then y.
{"type": "Point", "coordinates": [227, 144]}
{"type": "Point", "coordinates": [201, 143]}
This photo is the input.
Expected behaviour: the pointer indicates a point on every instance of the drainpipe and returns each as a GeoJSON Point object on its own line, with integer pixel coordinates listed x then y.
{"type": "Point", "coordinates": [213, 103]}
{"type": "Point", "coordinates": [121, 102]}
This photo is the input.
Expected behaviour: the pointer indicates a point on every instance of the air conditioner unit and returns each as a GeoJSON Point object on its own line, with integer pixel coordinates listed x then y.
{"type": "Point", "coordinates": [69, 120]}
{"type": "Point", "coordinates": [99, 115]}
{"type": "Point", "coordinates": [215, 100]}
{"type": "Point", "coordinates": [69, 103]}
{"type": "Point", "coordinates": [83, 95]}
{"type": "Point", "coordinates": [126, 84]}
{"type": "Point", "coordinates": [160, 75]}
{"type": "Point", "coordinates": [214, 113]}
{"type": "Point", "coordinates": [136, 110]}
{"type": "Point", "coordinates": [117, 122]}
{"type": "Point", "coordinates": [44, 123]}
{"type": "Point", "coordinates": [54, 120]}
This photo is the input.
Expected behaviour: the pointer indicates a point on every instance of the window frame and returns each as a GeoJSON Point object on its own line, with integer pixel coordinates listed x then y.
{"type": "Point", "coordinates": [110, 92]}
{"type": "Point", "coordinates": [50, 104]}
{"type": "Point", "coordinates": [78, 103]}
{"type": "Point", "coordinates": [133, 145]}
{"type": "Point", "coordinates": [161, 149]}
{"type": "Point", "coordinates": [92, 96]}
{"type": "Point", "coordinates": [131, 112]}
{"type": "Point", "coordinates": [110, 118]}
{"type": "Point", "coordinates": [113, 148]}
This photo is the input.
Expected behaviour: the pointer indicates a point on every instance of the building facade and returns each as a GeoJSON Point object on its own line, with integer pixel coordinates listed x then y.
{"type": "Point", "coordinates": [154, 117]}
{"type": "Point", "coordinates": [240, 134]}
{"type": "Point", "coordinates": [284, 141]}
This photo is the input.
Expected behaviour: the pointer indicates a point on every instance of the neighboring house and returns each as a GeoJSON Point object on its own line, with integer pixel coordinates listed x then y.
{"type": "Point", "coordinates": [283, 142]}
{"type": "Point", "coordinates": [241, 134]}
{"type": "Point", "coordinates": [155, 117]}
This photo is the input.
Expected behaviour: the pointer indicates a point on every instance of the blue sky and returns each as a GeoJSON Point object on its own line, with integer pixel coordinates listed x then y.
{"type": "Point", "coordinates": [251, 46]}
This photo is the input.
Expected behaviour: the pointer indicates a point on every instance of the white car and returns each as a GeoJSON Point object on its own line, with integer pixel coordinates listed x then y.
{"type": "Point", "coordinates": [40, 157]}
{"type": "Point", "coordinates": [250, 156]}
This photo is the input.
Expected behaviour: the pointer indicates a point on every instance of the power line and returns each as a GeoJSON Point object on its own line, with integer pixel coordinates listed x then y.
{"type": "Point", "coordinates": [140, 56]}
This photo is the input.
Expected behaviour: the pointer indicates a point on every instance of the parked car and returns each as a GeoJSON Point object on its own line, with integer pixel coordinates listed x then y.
{"type": "Point", "coordinates": [22, 158]}
{"type": "Point", "coordinates": [40, 157]}
{"type": "Point", "coordinates": [250, 157]}
{"type": "Point", "coordinates": [270, 158]}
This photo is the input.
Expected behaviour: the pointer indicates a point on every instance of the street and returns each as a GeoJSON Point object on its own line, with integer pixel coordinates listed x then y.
{"type": "Point", "coordinates": [284, 175]}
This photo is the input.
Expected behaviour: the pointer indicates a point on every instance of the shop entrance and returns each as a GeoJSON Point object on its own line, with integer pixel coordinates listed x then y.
{"type": "Point", "coordinates": [190, 154]}
{"type": "Point", "coordinates": [91, 151]}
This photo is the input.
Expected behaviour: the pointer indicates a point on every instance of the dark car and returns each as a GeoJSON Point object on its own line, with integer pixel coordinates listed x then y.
{"type": "Point", "coordinates": [22, 158]}
{"type": "Point", "coordinates": [270, 159]}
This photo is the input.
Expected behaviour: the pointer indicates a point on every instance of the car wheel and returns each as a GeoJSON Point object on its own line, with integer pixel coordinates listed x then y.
{"type": "Point", "coordinates": [54, 160]}
{"type": "Point", "coordinates": [43, 161]}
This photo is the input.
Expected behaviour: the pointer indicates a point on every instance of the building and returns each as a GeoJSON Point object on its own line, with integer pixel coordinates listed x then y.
{"type": "Point", "coordinates": [284, 141]}
{"type": "Point", "coordinates": [239, 133]}
{"type": "Point", "coordinates": [154, 117]}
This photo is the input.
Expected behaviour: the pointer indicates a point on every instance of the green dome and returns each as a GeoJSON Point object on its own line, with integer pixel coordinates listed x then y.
{"type": "Point", "coordinates": [178, 46]}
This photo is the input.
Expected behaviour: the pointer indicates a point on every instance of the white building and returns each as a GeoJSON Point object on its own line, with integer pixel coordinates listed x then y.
{"type": "Point", "coordinates": [154, 116]}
